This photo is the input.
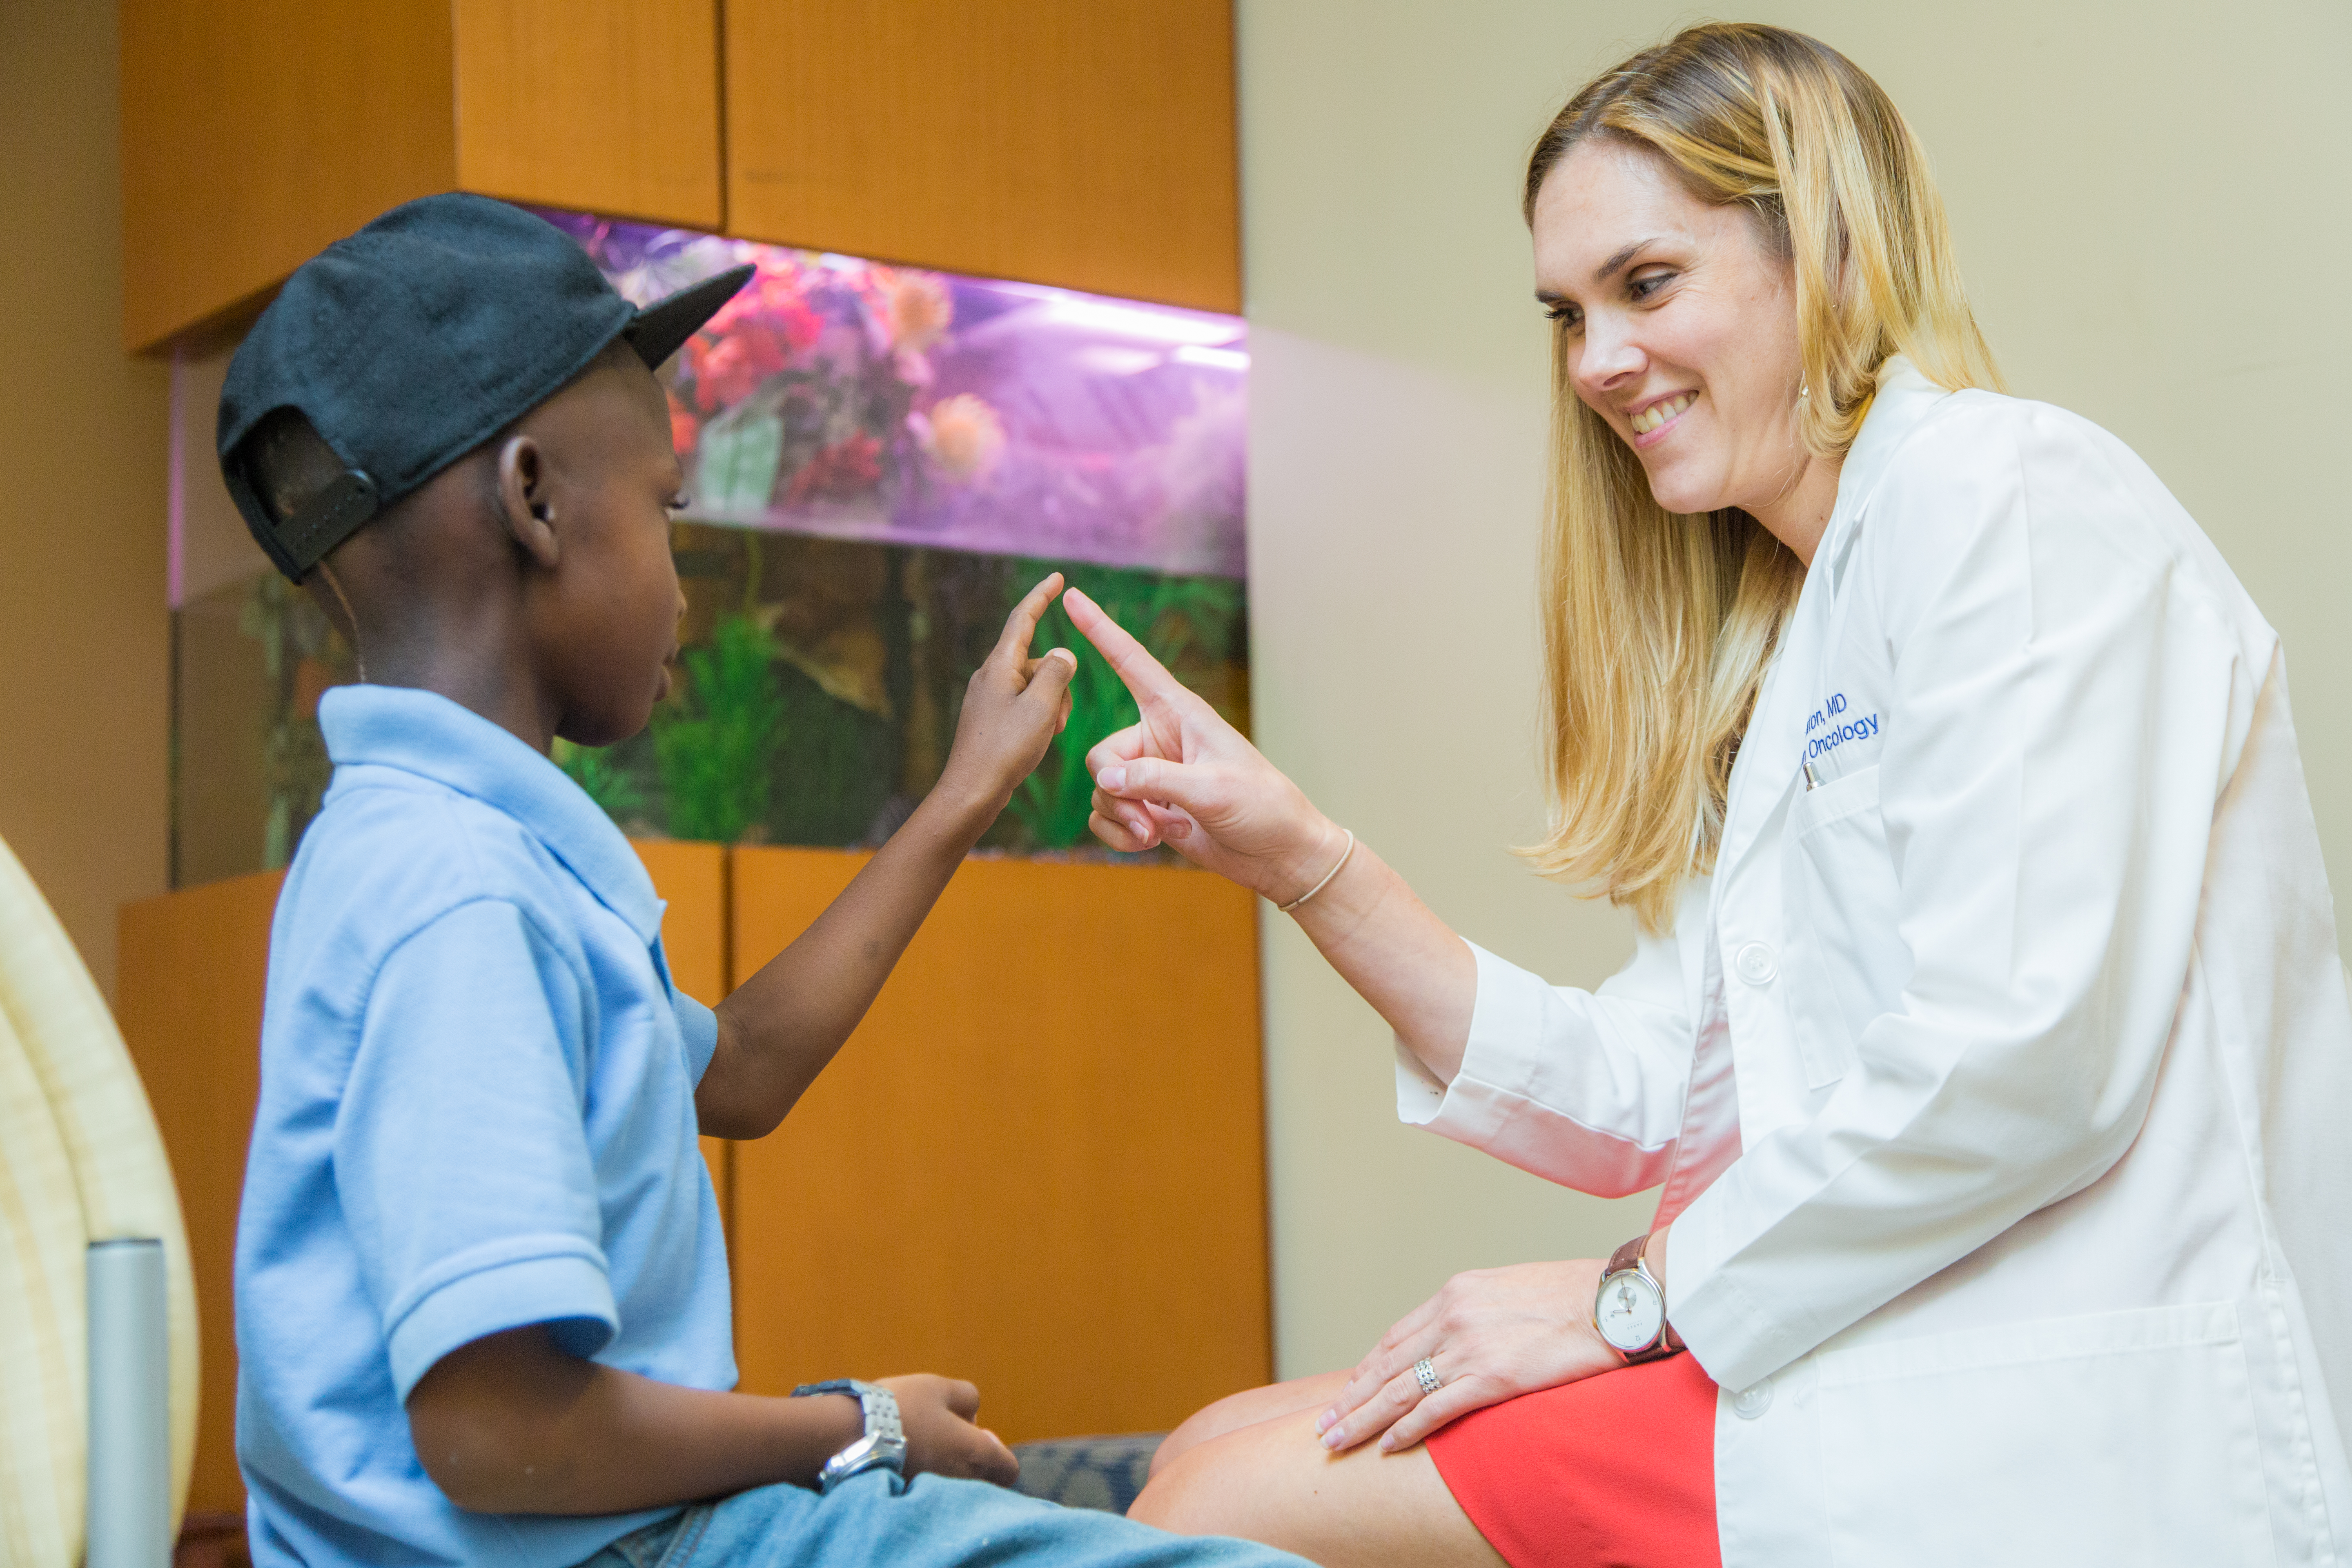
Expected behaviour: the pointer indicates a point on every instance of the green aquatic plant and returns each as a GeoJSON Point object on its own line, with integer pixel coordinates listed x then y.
{"type": "Point", "coordinates": [840, 768]}
{"type": "Point", "coordinates": [1172, 616]}
{"type": "Point", "coordinates": [301, 657]}
{"type": "Point", "coordinates": [715, 749]}
{"type": "Point", "coordinates": [601, 776]}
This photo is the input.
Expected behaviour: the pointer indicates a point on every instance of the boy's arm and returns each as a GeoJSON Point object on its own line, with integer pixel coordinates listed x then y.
{"type": "Point", "coordinates": [779, 1027]}
{"type": "Point", "coordinates": [513, 1424]}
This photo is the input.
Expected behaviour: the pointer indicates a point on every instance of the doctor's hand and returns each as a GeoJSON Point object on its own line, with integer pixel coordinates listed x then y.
{"type": "Point", "coordinates": [1491, 1335]}
{"type": "Point", "coordinates": [1183, 777]}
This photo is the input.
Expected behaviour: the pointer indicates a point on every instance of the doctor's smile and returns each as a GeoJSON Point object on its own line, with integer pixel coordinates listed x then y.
{"type": "Point", "coordinates": [1651, 423]}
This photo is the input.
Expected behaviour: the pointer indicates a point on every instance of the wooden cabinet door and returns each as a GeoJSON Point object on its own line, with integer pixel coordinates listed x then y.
{"type": "Point", "coordinates": [256, 132]}
{"type": "Point", "coordinates": [1039, 1164]}
{"type": "Point", "coordinates": [604, 106]}
{"type": "Point", "coordinates": [188, 982]}
{"type": "Point", "coordinates": [691, 879]}
{"type": "Point", "coordinates": [1087, 143]}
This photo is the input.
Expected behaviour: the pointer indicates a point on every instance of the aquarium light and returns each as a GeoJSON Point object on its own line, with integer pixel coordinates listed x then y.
{"type": "Point", "coordinates": [1212, 358]}
{"type": "Point", "coordinates": [1138, 321]}
{"type": "Point", "coordinates": [1121, 362]}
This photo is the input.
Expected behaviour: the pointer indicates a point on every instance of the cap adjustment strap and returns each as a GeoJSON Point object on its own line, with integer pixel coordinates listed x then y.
{"type": "Point", "coordinates": [329, 518]}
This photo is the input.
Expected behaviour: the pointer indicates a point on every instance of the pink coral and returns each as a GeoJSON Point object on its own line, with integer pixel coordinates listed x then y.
{"type": "Point", "coordinates": [728, 365]}
{"type": "Point", "coordinates": [843, 471]}
{"type": "Point", "coordinates": [758, 333]}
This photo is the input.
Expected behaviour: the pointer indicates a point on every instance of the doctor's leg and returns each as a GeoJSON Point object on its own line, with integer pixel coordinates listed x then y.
{"type": "Point", "coordinates": [1248, 1408]}
{"type": "Point", "coordinates": [1618, 1467]}
{"type": "Point", "coordinates": [1272, 1482]}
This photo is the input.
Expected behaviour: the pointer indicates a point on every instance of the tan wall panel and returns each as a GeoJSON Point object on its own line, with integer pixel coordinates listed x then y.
{"type": "Point", "coordinates": [258, 131]}
{"type": "Point", "coordinates": [84, 634]}
{"type": "Point", "coordinates": [1038, 1165]}
{"type": "Point", "coordinates": [189, 1001]}
{"type": "Point", "coordinates": [1082, 143]}
{"type": "Point", "coordinates": [610, 106]}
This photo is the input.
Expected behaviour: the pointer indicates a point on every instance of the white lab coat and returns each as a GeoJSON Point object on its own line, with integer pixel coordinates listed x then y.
{"type": "Point", "coordinates": [2000, 1079]}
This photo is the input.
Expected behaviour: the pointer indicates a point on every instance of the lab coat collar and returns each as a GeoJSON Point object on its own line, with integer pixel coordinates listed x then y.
{"type": "Point", "coordinates": [1902, 400]}
{"type": "Point", "coordinates": [1766, 773]}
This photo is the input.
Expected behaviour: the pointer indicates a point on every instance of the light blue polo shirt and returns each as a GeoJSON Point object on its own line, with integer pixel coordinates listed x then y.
{"type": "Point", "coordinates": [476, 1112]}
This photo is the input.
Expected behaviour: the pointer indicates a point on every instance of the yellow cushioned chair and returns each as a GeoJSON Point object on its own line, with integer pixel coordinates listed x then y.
{"type": "Point", "coordinates": [80, 1162]}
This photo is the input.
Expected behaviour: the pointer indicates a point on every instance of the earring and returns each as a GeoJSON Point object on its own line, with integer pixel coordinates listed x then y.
{"type": "Point", "coordinates": [1803, 392]}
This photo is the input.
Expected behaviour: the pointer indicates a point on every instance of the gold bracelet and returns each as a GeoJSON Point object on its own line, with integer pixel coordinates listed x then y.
{"type": "Point", "coordinates": [1344, 855]}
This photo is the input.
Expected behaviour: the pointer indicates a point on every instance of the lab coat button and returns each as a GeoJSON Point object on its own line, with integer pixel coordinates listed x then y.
{"type": "Point", "coordinates": [1755, 964]}
{"type": "Point", "coordinates": [1750, 1402]}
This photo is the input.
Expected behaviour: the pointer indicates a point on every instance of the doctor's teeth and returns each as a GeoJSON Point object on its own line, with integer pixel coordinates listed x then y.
{"type": "Point", "coordinates": [1657, 414]}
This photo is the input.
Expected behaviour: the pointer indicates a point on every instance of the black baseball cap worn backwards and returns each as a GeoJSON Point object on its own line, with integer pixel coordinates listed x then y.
{"type": "Point", "coordinates": [417, 338]}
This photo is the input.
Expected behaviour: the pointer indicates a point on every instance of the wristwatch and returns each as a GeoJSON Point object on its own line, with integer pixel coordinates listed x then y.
{"type": "Point", "coordinates": [1630, 1308]}
{"type": "Point", "coordinates": [884, 1446]}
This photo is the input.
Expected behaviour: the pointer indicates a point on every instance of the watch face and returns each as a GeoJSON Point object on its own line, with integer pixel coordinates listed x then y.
{"type": "Point", "coordinates": [1629, 1313]}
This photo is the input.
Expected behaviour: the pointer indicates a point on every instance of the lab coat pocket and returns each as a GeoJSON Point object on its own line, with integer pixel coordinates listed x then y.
{"type": "Point", "coordinates": [2111, 1438]}
{"type": "Point", "coordinates": [1846, 961]}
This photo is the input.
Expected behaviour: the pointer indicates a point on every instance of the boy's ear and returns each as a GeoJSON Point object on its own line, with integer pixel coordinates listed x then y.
{"type": "Point", "coordinates": [527, 501]}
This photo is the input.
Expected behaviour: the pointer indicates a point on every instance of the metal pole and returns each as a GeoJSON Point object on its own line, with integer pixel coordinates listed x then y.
{"type": "Point", "coordinates": [130, 1427]}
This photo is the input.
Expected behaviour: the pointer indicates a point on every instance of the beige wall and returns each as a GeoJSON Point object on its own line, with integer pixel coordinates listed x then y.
{"type": "Point", "coordinates": [84, 634]}
{"type": "Point", "coordinates": [2151, 208]}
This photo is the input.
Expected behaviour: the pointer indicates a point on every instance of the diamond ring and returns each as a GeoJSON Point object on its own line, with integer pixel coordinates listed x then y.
{"type": "Point", "coordinates": [1426, 1375]}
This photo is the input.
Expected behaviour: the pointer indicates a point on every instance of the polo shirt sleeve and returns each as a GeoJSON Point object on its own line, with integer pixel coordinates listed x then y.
{"type": "Point", "coordinates": [461, 1153]}
{"type": "Point", "coordinates": [700, 1026]}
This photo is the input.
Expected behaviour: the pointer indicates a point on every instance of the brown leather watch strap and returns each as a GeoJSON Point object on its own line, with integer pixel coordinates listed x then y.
{"type": "Point", "coordinates": [1635, 1254]}
{"type": "Point", "coordinates": [1667, 1337]}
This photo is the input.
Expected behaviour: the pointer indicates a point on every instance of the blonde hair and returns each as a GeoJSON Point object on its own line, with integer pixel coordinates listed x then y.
{"type": "Point", "coordinates": [1658, 626]}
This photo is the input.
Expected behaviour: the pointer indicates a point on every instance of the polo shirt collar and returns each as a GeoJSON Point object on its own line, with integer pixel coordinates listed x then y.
{"type": "Point", "coordinates": [424, 733]}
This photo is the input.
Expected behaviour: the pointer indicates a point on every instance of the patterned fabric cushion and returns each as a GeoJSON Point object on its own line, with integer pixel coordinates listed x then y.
{"type": "Point", "coordinates": [1087, 1472]}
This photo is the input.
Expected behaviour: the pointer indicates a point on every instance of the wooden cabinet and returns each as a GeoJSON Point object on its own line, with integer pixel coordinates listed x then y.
{"type": "Point", "coordinates": [1088, 143]}
{"type": "Point", "coordinates": [187, 995]}
{"type": "Point", "coordinates": [1039, 1163]}
{"type": "Point", "coordinates": [255, 132]}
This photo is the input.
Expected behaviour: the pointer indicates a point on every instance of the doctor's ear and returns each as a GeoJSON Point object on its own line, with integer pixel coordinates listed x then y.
{"type": "Point", "coordinates": [525, 499]}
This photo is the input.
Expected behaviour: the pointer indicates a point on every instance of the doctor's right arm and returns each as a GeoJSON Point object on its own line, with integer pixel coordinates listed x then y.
{"type": "Point", "coordinates": [1503, 1060]}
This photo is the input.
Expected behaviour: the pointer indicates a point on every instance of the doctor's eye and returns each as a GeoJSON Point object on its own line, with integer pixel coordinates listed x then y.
{"type": "Point", "coordinates": [1648, 283]}
{"type": "Point", "coordinates": [1566, 314]}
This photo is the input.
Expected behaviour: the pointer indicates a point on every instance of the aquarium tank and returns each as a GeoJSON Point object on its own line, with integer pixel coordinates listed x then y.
{"type": "Point", "coordinates": [881, 461]}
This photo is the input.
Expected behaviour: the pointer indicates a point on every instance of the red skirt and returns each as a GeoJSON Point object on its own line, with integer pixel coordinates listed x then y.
{"type": "Point", "coordinates": [1615, 1472]}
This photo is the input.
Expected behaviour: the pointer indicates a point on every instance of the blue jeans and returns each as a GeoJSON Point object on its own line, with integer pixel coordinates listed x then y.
{"type": "Point", "coordinates": [929, 1522]}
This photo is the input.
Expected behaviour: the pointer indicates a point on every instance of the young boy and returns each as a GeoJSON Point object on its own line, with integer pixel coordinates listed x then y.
{"type": "Point", "coordinates": [481, 1290]}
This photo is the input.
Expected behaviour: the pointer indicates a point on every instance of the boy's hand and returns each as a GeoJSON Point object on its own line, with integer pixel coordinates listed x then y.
{"type": "Point", "coordinates": [1012, 709]}
{"type": "Point", "coordinates": [938, 1416]}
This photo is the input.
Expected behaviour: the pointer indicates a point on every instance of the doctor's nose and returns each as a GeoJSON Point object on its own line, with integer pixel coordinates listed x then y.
{"type": "Point", "coordinates": [1610, 360]}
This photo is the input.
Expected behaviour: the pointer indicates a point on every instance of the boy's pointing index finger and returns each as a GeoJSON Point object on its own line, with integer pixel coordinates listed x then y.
{"type": "Point", "coordinates": [1020, 626]}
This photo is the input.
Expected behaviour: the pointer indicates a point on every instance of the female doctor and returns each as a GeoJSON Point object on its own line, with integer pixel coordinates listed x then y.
{"type": "Point", "coordinates": [1986, 1037]}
